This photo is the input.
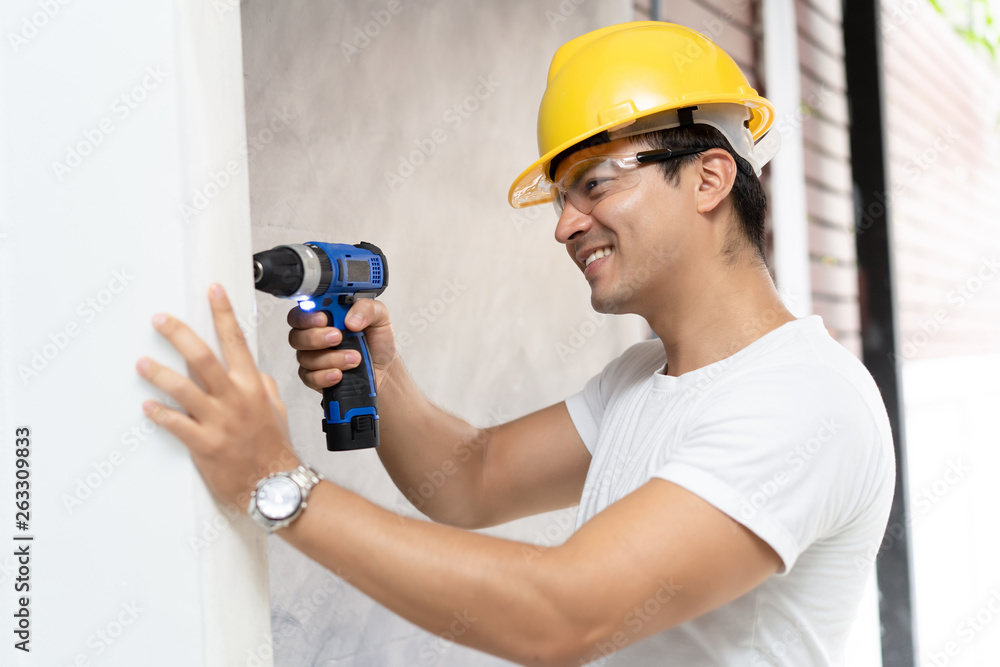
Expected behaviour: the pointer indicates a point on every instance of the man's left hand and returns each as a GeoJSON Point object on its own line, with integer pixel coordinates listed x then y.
{"type": "Point", "coordinates": [236, 426]}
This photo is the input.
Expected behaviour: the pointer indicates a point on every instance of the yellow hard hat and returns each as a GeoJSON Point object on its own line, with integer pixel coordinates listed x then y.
{"type": "Point", "coordinates": [606, 80]}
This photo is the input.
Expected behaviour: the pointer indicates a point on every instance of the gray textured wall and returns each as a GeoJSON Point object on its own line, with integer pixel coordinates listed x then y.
{"type": "Point", "coordinates": [494, 320]}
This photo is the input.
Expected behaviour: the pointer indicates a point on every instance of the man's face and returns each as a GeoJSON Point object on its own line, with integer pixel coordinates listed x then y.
{"type": "Point", "coordinates": [633, 243]}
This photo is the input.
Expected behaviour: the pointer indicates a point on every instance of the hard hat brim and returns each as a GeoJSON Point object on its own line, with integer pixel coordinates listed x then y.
{"type": "Point", "coordinates": [532, 186]}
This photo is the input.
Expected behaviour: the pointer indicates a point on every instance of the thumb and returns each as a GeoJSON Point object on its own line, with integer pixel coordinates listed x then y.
{"type": "Point", "coordinates": [367, 313]}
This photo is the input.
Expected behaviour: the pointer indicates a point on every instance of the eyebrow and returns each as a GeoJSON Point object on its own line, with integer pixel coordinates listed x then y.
{"type": "Point", "coordinates": [596, 140]}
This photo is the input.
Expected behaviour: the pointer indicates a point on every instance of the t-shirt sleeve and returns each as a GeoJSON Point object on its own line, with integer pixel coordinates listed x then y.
{"type": "Point", "coordinates": [586, 408]}
{"type": "Point", "coordinates": [790, 453]}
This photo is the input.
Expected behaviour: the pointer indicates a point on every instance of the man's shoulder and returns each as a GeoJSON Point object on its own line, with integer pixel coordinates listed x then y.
{"type": "Point", "coordinates": [639, 360]}
{"type": "Point", "coordinates": [796, 369]}
{"type": "Point", "coordinates": [805, 351]}
{"type": "Point", "coordinates": [637, 364]}
{"type": "Point", "coordinates": [800, 372]}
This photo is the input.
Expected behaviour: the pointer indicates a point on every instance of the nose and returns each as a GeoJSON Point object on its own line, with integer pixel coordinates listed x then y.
{"type": "Point", "coordinates": [572, 223]}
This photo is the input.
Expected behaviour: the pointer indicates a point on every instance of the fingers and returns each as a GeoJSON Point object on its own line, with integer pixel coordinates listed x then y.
{"type": "Point", "coordinates": [320, 380]}
{"type": "Point", "coordinates": [328, 359]}
{"type": "Point", "coordinates": [301, 319]}
{"type": "Point", "coordinates": [325, 369]}
{"type": "Point", "coordinates": [182, 426]}
{"type": "Point", "coordinates": [364, 313]}
{"type": "Point", "coordinates": [180, 388]}
{"type": "Point", "coordinates": [314, 339]}
{"type": "Point", "coordinates": [195, 351]}
{"type": "Point", "coordinates": [309, 330]}
{"type": "Point", "coordinates": [234, 345]}
{"type": "Point", "coordinates": [321, 367]}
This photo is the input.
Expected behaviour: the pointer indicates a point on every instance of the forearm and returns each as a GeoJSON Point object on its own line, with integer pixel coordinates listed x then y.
{"type": "Point", "coordinates": [501, 597]}
{"type": "Point", "coordinates": [434, 458]}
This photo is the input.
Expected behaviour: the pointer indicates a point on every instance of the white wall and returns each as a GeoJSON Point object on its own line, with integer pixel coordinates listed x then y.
{"type": "Point", "coordinates": [112, 113]}
{"type": "Point", "coordinates": [449, 235]}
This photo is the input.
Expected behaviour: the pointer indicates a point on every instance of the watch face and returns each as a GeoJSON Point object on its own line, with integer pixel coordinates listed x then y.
{"type": "Point", "coordinates": [278, 498]}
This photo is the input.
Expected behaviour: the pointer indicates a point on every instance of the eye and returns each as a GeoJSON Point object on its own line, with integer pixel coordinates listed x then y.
{"type": "Point", "coordinates": [596, 180]}
{"type": "Point", "coordinates": [596, 186]}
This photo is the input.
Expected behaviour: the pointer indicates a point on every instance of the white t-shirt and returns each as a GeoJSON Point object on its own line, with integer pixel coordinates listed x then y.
{"type": "Point", "coordinates": [788, 436]}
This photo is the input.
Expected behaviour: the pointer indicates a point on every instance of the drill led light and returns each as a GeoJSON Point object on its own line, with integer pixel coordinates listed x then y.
{"type": "Point", "coordinates": [307, 305]}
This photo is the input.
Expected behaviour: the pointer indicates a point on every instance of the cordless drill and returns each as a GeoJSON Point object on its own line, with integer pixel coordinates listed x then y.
{"type": "Point", "coordinates": [328, 278]}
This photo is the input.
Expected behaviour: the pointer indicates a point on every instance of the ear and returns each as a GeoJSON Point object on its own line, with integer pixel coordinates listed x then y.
{"type": "Point", "coordinates": [716, 175]}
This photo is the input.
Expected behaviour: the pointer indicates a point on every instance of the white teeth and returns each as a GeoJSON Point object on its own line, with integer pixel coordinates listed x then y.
{"type": "Point", "coordinates": [597, 254]}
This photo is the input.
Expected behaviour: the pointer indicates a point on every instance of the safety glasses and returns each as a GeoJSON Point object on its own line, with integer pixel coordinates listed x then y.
{"type": "Point", "coordinates": [589, 181]}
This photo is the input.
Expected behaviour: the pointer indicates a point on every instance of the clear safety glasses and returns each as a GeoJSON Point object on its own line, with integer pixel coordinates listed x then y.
{"type": "Point", "coordinates": [589, 181]}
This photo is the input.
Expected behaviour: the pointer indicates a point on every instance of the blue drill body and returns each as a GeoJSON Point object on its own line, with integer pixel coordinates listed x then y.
{"type": "Point", "coordinates": [328, 278]}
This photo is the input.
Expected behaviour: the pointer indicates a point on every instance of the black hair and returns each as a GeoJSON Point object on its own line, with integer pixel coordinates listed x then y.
{"type": "Point", "coordinates": [749, 200]}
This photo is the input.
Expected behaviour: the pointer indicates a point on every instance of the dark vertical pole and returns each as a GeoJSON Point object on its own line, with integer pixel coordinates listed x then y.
{"type": "Point", "coordinates": [654, 10]}
{"type": "Point", "coordinates": [863, 62]}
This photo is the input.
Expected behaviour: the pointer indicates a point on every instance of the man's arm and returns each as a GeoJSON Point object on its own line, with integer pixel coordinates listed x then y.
{"type": "Point", "coordinates": [450, 470]}
{"type": "Point", "coordinates": [530, 604]}
{"type": "Point", "coordinates": [538, 606]}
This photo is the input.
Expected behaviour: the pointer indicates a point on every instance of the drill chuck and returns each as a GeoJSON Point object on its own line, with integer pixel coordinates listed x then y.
{"type": "Point", "coordinates": [295, 271]}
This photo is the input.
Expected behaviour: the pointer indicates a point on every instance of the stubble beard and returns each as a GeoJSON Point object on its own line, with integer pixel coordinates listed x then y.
{"type": "Point", "coordinates": [613, 303]}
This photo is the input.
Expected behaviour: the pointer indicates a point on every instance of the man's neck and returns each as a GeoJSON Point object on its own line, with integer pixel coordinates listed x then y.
{"type": "Point", "coordinates": [734, 307]}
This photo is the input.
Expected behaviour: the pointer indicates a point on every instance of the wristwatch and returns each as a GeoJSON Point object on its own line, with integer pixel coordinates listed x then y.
{"type": "Point", "coordinates": [281, 496]}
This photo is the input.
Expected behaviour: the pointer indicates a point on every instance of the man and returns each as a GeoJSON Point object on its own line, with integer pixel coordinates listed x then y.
{"type": "Point", "coordinates": [733, 476]}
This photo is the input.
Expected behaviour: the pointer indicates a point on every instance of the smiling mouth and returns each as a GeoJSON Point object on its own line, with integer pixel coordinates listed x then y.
{"type": "Point", "coordinates": [597, 254]}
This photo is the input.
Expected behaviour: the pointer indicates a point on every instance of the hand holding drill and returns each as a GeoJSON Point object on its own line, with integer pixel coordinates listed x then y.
{"type": "Point", "coordinates": [335, 285]}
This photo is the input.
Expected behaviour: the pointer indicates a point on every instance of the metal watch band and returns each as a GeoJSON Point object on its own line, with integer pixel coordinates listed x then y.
{"type": "Point", "coordinates": [305, 477]}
